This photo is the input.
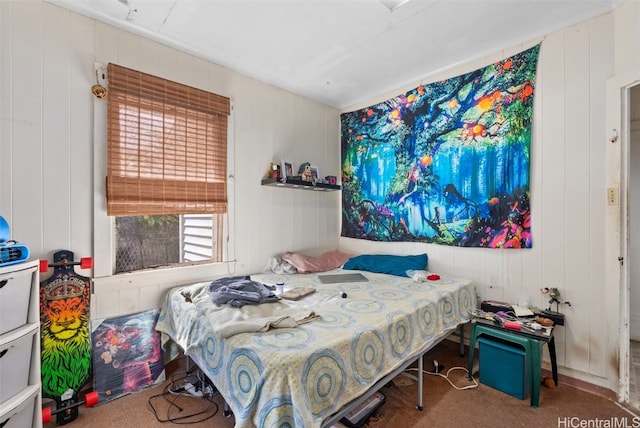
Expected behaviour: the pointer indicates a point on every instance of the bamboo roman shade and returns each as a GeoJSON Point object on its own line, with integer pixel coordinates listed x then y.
{"type": "Point", "coordinates": [167, 146]}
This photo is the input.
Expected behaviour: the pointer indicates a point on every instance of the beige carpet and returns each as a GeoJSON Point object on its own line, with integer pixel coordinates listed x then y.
{"type": "Point", "coordinates": [444, 406]}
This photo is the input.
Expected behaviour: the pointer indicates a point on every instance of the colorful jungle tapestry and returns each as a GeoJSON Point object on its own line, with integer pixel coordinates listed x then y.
{"type": "Point", "coordinates": [445, 163]}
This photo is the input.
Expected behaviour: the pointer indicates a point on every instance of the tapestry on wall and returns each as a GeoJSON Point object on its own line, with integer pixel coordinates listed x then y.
{"type": "Point", "coordinates": [445, 163]}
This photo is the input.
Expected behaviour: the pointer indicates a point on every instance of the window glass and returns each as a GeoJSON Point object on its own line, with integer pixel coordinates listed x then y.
{"type": "Point", "coordinates": [144, 242]}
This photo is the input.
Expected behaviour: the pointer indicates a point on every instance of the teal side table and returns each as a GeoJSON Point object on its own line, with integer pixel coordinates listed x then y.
{"type": "Point", "coordinates": [531, 343]}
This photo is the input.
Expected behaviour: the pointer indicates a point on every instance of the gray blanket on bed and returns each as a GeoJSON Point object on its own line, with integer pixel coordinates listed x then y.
{"type": "Point", "coordinates": [238, 291]}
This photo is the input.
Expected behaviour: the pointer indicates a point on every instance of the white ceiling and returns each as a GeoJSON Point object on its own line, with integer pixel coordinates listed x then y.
{"type": "Point", "coordinates": [340, 52]}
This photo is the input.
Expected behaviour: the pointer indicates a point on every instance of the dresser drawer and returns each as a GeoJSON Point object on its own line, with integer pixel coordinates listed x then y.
{"type": "Point", "coordinates": [15, 362]}
{"type": "Point", "coordinates": [15, 292]}
{"type": "Point", "coordinates": [21, 412]}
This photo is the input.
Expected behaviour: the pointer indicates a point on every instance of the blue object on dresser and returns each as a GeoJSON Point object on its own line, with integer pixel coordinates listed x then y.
{"type": "Point", "coordinates": [503, 367]}
{"type": "Point", "coordinates": [4, 230]}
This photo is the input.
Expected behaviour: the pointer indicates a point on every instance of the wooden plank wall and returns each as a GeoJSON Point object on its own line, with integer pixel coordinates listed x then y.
{"type": "Point", "coordinates": [568, 183]}
{"type": "Point", "coordinates": [51, 154]}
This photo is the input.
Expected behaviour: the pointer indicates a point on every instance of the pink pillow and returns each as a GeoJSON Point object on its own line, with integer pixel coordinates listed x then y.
{"type": "Point", "coordinates": [323, 263]}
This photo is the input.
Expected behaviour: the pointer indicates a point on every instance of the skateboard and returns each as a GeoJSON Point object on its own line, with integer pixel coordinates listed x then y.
{"type": "Point", "coordinates": [69, 410]}
{"type": "Point", "coordinates": [65, 336]}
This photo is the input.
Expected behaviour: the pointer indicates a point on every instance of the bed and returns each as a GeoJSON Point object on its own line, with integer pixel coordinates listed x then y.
{"type": "Point", "coordinates": [340, 350]}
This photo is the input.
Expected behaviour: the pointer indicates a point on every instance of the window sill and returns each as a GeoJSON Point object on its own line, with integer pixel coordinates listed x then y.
{"type": "Point", "coordinates": [165, 278]}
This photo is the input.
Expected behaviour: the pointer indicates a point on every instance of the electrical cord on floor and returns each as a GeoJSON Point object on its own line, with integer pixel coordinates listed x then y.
{"type": "Point", "coordinates": [171, 393]}
{"type": "Point", "coordinates": [446, 376]}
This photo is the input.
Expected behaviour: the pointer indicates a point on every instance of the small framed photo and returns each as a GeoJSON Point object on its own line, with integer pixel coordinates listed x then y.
{"type": "Point", "coordinates": [287, 169]}
{"type": "Point", "coordinates": [315, 174]}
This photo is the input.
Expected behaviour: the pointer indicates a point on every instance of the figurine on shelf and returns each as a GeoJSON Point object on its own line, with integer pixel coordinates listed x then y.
{"type": "Point", "coordinates": [305, 172]}
{"type": "Point", "coordinates": [554, 295]}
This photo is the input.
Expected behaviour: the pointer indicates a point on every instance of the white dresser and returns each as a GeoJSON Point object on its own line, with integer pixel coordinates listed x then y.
{"type": "Point", "coordinates": [20, 397]}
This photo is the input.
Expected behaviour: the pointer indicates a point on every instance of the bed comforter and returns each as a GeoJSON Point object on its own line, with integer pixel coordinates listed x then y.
{"type": "Point", "coordinates": [300, 375]}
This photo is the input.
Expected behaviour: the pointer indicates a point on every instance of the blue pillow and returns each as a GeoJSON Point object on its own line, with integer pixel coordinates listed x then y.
{"type": "Point", "coordinates": [383, 263]}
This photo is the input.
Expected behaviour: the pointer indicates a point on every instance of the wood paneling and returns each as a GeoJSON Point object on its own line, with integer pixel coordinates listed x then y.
{"type": "Point", "coordinates": [568, 176]}
{"type": "Point", "coordinates": [53, 153]}
{"type": "Point", "coordinates": [575, 284]}
{"type": "Point", "coordinates": [601, 67]}
{"type": "Point", "coordinates": [52, 175]}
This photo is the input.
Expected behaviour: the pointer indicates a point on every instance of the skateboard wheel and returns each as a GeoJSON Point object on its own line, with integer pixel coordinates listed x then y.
{"type": "Point", "coordinates": [46, 415]}
{"type": "Point", "coordinates": [86, 262]}
{"type": "Point", "coordinates": [44, 265]}
{"type": "Point", "coordinates": [91, 399]}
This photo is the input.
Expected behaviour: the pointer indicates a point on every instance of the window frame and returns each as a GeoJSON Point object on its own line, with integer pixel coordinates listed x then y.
{"type": "Point", "coordinates": [104, 226]}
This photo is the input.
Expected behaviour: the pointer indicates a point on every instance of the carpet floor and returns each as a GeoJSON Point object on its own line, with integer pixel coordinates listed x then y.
{"type": "Point", "coordinates": [446, 404]}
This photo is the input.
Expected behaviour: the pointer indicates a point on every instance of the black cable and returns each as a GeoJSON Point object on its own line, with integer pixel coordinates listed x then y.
{"type": "Point", "coordinates": [170, 391]}
{"type": "Point", "coordinates": [210, 411]}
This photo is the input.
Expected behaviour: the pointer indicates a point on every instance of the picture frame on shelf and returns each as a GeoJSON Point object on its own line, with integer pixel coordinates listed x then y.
{"type": "Point", "coordinates": [315, 174]}
{"type": "Point", "coordinates": [287, 169]}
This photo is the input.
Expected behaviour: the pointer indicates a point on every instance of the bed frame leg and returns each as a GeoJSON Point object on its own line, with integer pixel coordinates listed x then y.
{"type": "Point", "coordinates": [461, 334]}
{"type": "Point", "coordinates": [420, 380]}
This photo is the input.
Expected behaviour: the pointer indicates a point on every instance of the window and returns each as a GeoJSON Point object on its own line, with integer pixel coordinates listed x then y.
{"type": "Point", "coordinates": [166, 170]}
{"type": "Point", "coordinates": [144, 242]}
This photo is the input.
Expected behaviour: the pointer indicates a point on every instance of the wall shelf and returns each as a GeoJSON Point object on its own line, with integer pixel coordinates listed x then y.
{"type": "Point", "coordinates": [299, 184]}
